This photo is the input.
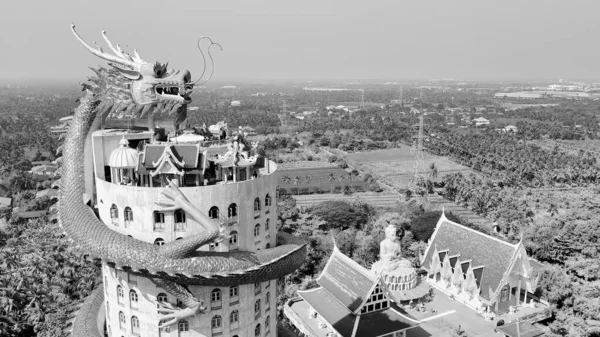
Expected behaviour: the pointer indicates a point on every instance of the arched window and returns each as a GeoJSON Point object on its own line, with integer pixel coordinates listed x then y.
{"type": "Point", "coordinates": [159, 242]}
{"type": "Point", "coordinates": [122, 321]}
{"type": "Point", "coordinates": [267, 227]}
{"type": "Point", "coordinates": [213, 212]}
{"type": "Point", "coordinates": [120, 294]}
{"type": "Point", "coordinates": [234, 317]}
{"type": "Point", "coordinates": [180, 220]}
{"type": "Point", "coordinates": [257, 330]}
{"type": "Point", "coordinates": [162, 298]}
{"type": "Point", "coordinates": [114, 215]}
{"type": "Point", "coordinates": [128, 216]}
{"type": "Point", "coordinates": [257, 205]}
{"type": "Point", "coordinates": [257, 288]}
{"type": "Point", "coordinates": [267, 296]}
{"type": "Point", "coordinates": [232, 211]}
{"type": "Point", "coordinates": [215, 295]}
{"type": "Point", "coordinates": [135, 325]}
{"type": "Point", "coordinates": [233, 240]}
{"type": "Point", "coordinates": [257, 230]}
{"type": "Point", "coordinates": [268, 246]}
{"type": "Point", "coordinates": [183, 326]}
{"type": "Point", "coordinates": [215, 322]}
{"type": "Point", "coordinates": [234, 292]}
{"type": "Point", "coordinates": [267, 323]}
{"type": "Point", "coordinates": [133, 298]}
{"type": "Point", "coordinates": [159, 221]}
{"type": "Point", "coordinates": [268, 200]}
{"type": "Point", "coordinates": [257, 307]}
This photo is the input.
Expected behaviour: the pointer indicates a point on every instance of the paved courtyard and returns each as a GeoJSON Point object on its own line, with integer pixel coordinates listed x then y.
{"type": "Point", "coordinates": [448, 316]}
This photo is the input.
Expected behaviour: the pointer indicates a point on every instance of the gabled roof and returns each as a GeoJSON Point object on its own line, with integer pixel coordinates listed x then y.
{"type": "Point", "coordinates": [338, 315]}
{"type": "Point", "coordinates": [494, 255]}
{"type": "Point", "coordinates": [345, 287]}
{"type": "Point", "coordinates": [186, 153]}
{"type": "Point", "coordinates": [347, 281]}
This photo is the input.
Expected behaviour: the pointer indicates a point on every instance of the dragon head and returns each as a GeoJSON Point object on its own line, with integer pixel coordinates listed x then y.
{"type": "Point", "coordinates": [133, 87]}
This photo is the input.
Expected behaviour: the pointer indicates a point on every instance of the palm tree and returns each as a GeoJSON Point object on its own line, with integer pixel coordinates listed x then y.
{"type": "Point", "coordinates": [287, 180]}
{"type": "Point", "coordinates": [331, 179]}
{"type": "Point", "coordinates": [296, 182]}
{"type": "Point", "coordinates": [307, 180]}
{"type": "Point", "coordinates": [433, 171]}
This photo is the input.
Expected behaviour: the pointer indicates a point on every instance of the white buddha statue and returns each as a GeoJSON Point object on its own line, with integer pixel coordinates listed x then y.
{"type": "Point", "coordinates": [390, 253]}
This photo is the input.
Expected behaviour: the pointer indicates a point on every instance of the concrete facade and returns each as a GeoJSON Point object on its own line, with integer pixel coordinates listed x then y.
{"type": "Point", "coordinates": [131, 301]}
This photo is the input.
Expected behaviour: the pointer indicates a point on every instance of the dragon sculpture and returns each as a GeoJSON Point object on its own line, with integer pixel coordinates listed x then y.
{"type": "Point", "coordinates": [134, 88]}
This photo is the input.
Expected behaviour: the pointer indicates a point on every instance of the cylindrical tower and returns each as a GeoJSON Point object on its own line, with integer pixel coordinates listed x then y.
{"type": "Point", "coordinates": [236, 189]}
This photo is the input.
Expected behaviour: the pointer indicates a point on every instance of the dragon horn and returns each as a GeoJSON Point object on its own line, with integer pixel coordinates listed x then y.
{"type": "Point", "coordinates": [137, 57]}
{"type": "Point", "coordinates": [108, 57]}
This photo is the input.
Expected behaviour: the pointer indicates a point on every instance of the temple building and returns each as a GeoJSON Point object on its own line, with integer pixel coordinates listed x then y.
{"type": "Point", "coordinates": [353, 301]}
{"type": "Point", "coordinates": [485, 273]}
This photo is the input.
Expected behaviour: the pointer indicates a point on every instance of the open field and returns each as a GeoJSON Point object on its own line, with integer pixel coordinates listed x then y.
{"type": "Point", "coordinates": [318, 179]}
{"type": "Point", "coordinates": [396, 167]}
{"type": "Point", "coordinates": [372, 198]}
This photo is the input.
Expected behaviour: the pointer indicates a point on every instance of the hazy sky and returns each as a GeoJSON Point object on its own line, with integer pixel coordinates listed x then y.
{"type": "Point", "coordinates": [313, 39]}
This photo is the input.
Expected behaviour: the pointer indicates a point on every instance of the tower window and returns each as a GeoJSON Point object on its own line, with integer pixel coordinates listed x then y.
{"type": "Point", "coordinates": [257, 331]}
{"type": "Point", "coordinates": [159, 221]}
{"type": "Point", "coordinates": [257, 307]}
{"type": "Point", "coordinates": [234, 317]}
{"type": "Point", "coordinates": [215, 295]}
{"type": "Point", "coordinates": [133, 298]}
{"type": "Point", "coordinates": [180, 220]}
{"type": "Point", "coordinates": [213, 212]}
{"type": "Point", "coordinates": [184, 326]}
{"type": "Point", "coordinates": [232, 210]}
{"type": "Point", "coordinates": [257, 230]}
{"type": "Point", "coordinates": [114, 215]}
{"type": "Point", "coordinates": [128, 216]}
{"type": "Point", "coordinates": [268, 200]}
{"type": "Point", "coordinates": [233, 291]}
{"type": "Point", "coordinates": [135, 325]}
{"type": "Point", "coordinates": [122, 321]}
{"type": "Point", "coordinates": [257, 205]}
{"type": "Point", "coordinates": [267, 227]}
{"type": "Point", "coordinates": [120, 294]}
{"type": "Point", "coordinates": [233, 240]}
{"type": "Point", "coordinates": [215, 322]}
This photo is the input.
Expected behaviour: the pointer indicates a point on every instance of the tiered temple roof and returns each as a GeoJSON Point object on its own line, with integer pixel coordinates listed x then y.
{"type": "Point", "coordinates": [489, 257]}
{"type": "Point", "coordinates": [345, 288]}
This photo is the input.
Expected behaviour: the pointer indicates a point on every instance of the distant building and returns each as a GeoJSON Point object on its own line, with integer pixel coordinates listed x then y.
{"type": "Point", "coordinates": [526, 95]}
{"type": "Point", "coordinates": [481, 121]}
{"type": "Point", "coordinates": [510, 128]}
{"type": "Point", "coordinates": [236, 103]}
